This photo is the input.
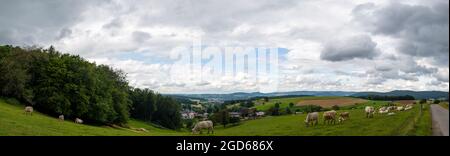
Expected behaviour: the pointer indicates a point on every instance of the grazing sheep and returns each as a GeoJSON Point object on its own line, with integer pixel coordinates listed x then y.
{"type": "Point", "coordinates": [329, 117]}
{"type": "Point", "coordinates": [260, 114]}
{"type": "Point", "coordinates": [142, 129]}
{"type": "Point", "coordinates": [78, 121]}
{"type": "Point", "coordinates": [383, 110]}
{"type": "Point", "coordinates": [408, 107]}
{"type": "Point", "coordinates": [312, 118]}
{"type": "Point", "coordinates": [344, 116]}
{"type": "Point", "coordinates": [61, 118]}
{"type": "Point", "coordinates": [391, 108]}
{"type": "Point", "coordinates": [29, 110]}
{"type": "Point", "coordinates": [203, 125]}
{"type": "Point", "coordinates": [369, 111]}
{"type": "Point", "coordinates": [400, 108]}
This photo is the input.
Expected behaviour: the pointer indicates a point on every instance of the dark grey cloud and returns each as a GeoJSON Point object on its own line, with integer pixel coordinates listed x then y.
{"type": "Point", "coordinates": [115, 23]}
{"type": "Point", "coordinates": [347, 48]}
{"type": "Point", "coordinates": [34, 22]}
{"type": "Point", "coordinates": [404, 68]}
{"type": "Point", "coordinates": [213, 16]}
{"type": "Point", "coordinates": [65, 32]}
{"type": "Point", "coordinates": [140, 36]}
{"type": "Point", "coordinates": [423, 31]}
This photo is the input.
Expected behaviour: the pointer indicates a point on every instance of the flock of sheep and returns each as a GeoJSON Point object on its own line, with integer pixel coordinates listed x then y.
{"type": "Point", "coordinates": [330, 116]}
{"type": "Point", "coordinates": [29, 111]}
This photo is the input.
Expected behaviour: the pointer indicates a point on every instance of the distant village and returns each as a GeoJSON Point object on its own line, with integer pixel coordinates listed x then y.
{"type": "Point", "coordinates": [202, 110]}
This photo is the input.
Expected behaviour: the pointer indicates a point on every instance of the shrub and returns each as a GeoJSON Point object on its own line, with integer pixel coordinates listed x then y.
{"type": "Point", "coordinates": [335, 107]}
{"type": "Point", "coordinates": [189, 123]}
{"type": "Point", "coordinates": [235, 120]}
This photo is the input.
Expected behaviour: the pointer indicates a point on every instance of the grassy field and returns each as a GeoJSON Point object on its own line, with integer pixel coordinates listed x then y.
{"type": "Point", "coordinates": [14, 122]}
{"type": "Point", "coordinates": [403, 123]}
{"type": "Point", "coordinates": [444, 104]}
{"type": "Point", "coordinates": [308, 100]}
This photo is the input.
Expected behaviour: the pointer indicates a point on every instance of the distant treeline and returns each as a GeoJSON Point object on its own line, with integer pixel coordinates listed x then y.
{"type": "Point", "coordinates": [265, 98]}
{"type": "Point", "coordinates": [287, 96]}
{"type": "Point", "coordinates": [387, 98]}
{"type": "Point", "coordinates": [56, 83]}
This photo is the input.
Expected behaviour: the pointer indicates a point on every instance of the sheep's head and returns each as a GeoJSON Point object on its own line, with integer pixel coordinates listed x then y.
{"type": "Point", "coordinates": [194, 131]}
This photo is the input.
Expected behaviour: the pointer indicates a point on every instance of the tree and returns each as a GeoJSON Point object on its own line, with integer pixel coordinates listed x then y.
{"type": "Point", "coordinates": [221, 117]}
{"type": "Point", "coordinates": [167, 113]}
{"type": "Point", "coordinates": [291, 105]}
{"type": "Point", "coordinates": [437, 101]}
{"type": "Point", "coordinates": [235, 120]}
{"type": "Point", "coordinates": [275, 110]}
{"type": "Point", "coordinates": [335, 107]}
{"type": "Point", "coordinates": [56, 83]}
{"type": "Point", "coordinates": [225, 118]}
{"type": "Point", "coordinates": [422, 101]}
{"type": "Point", "coordinates": [143, 104]}
{"type": "Point", "coordinates": [288, 110]}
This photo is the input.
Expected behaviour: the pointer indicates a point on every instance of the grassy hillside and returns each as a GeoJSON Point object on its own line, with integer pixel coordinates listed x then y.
{"type": "Point", "coordinates": [14, 122]}
{"type": "Point", "coordinates": [444, 104]}
{"type": "Point", "coordinates": [403, 123]}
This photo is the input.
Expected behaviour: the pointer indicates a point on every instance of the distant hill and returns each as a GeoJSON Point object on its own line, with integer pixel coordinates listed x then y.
{"type": "Point", "coordinates": [243, 95]}
{"type": "Point", "coordinates": [415, 94]}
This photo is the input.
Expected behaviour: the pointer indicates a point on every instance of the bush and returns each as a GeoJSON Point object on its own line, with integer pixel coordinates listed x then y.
{"type": "Point", "coordinates": [12, 101]}
{"type": "Point", "coordinates": [310, 108]}
{"type": "Point", "coordinates": [288, 110]}
{"type": "Point", "coordinates": [335, 107]}
{"type": "Point", "coordinates": [189, 123]}
{"type": "Point", "coordinates": [235, 120]}
{"type": "Point", "coordinates": [275, 110]}
{"type": "Point", "coordinates": [422, 101]}
{"type": "Point", "coordinates": [221, 117]}
{"type": "Point", "coordinates": [291, 105]}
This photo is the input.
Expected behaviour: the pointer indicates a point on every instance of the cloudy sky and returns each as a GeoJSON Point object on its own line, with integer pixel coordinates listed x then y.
{"type": "Point", "coordinates": [349, 45]}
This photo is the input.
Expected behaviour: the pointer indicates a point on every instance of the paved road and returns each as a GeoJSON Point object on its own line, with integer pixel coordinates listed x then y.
{"type": "Point", "coordinates": [439, 116]}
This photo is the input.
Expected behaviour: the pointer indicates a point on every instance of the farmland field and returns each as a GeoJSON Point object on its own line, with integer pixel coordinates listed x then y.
{"type": "Point", "coordinates": [324, 101]}
{"type": "Point", "coordinates": [14, 122]}
{"type": "Point", "coordinates": [344, 101]}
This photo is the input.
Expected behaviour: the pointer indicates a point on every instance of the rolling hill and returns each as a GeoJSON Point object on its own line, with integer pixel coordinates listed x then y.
{"type": "Point", "coordinates": [243, 95]}
{"type": "Point", "coordinates": [13, 122]}
{"type": "Point", "coordinates": [415, 94]}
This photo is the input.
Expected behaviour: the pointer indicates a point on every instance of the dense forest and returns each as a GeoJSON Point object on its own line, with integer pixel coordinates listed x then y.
{"type": "Point", "coordinates": [56, 83]}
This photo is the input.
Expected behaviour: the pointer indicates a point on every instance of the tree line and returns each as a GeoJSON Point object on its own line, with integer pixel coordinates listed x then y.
{"type": "Point", "coordinates": [56, 83]}
{"type": "Point", "coordinates": [387, 98]}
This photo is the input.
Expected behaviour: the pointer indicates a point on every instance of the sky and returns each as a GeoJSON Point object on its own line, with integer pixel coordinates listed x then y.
{"type": "Point", "coordinates": [322, 45]}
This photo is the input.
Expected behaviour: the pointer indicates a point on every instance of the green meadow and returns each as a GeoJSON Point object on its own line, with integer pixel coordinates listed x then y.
{"type": "Point", "coordinates": [13, 122]}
